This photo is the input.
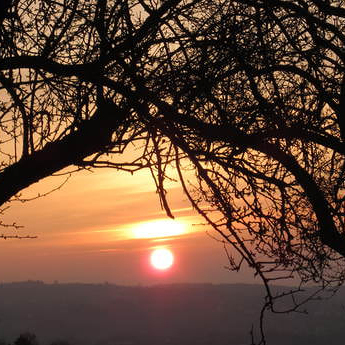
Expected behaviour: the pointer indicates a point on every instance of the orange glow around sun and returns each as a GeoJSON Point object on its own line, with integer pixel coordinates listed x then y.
{"type": "Point", "coordinates": [162, 259]}
{"type": "Point", "coordinates": [159, 228]}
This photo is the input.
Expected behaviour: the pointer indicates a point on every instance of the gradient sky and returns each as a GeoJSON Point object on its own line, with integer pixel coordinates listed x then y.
{"type": "Point", "coordinates": [86, 234]}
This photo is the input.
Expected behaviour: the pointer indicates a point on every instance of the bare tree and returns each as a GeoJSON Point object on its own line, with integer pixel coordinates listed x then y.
{"type": "Point", "coordinates": [66, 70]}
{"type": "Point", "coordinates": [260, 120]}
{"type": "Point", "coordinates": [250, 95]}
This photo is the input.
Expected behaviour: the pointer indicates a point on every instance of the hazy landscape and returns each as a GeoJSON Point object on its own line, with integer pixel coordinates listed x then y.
{"type": "Point", "coordinates": [107, 314]}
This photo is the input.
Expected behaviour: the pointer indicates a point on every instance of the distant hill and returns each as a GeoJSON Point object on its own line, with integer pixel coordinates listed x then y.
{"type": "Point", "coordinates": [199, 314]}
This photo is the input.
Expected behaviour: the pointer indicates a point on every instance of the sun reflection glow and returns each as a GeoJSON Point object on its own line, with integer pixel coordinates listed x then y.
{"type": "Point", "coordinates": [159, 228]}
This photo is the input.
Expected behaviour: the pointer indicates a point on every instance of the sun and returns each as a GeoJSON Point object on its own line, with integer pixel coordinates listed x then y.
{"type": "Point", "coordinates": [162, 259]}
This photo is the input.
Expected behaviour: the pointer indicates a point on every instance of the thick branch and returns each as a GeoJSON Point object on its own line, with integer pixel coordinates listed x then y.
{"type": "Point", "coordinates": [329, 234]}
{"type": "Point", "coordinates": [92, 136]}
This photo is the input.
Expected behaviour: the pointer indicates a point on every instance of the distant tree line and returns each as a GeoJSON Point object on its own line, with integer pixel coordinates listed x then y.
{"type": "Point", "coordinates": [28, 338]}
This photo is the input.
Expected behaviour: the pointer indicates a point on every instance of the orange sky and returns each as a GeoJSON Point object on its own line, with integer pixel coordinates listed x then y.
{"type": "Point", "coordinates": [85, 234]}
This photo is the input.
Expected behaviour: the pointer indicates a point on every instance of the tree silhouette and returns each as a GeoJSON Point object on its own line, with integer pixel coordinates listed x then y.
{"type": "Point", "coordinates": [250, 95]}
{"type": "Point", "coordinates": [26, 339]}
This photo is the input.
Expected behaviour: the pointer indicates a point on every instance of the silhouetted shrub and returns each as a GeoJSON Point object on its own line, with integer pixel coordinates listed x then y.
{"type": "Point", "coordinates": [26, 339]}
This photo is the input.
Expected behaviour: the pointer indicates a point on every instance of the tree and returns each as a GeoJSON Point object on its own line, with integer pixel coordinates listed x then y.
{"type": "Point", "coordinates": [26, 339]}
{"type": "Point", "coordinates": [65, 69]}
{"type": "Point", "coordinates": [247, 94]}
{"type": "Point", "coordinates": [263, 127]}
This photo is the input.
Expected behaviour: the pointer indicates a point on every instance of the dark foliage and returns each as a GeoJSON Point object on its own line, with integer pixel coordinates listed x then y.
{"type": "Point", "coordinates": [26, 339]}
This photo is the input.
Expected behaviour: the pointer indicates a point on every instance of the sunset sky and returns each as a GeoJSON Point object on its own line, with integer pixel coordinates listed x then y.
{"type": "Point", "coordinates": [90, 231]}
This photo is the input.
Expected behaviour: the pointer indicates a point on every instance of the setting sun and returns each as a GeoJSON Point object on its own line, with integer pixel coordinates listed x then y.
{"type": "Point", "coordinates": [159, 228]}
{"type": "Point", "coordinates": [162, 259]}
